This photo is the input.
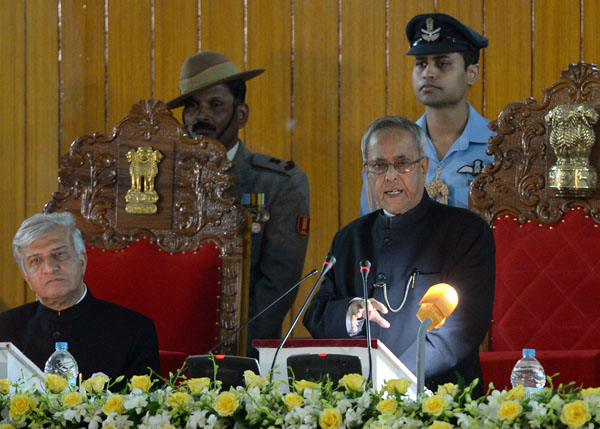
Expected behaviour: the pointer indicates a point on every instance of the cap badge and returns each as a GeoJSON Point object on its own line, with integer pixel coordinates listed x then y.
{"type": "Point", "coordinates": [429, 34]}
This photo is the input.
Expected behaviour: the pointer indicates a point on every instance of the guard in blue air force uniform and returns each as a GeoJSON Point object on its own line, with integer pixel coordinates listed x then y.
{"type": "Point", "coordinates": [274, 191]}
{"type": "Point", "coordinates": [446, 54]}
{"type": "Point", "coordinates": [413, 243]}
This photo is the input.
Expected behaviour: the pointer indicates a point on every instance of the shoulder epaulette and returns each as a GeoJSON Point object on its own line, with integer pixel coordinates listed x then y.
{"type": "Point", "coordinates": [272, 163]}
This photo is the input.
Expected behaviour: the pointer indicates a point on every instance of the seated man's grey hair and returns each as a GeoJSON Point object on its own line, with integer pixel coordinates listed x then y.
{"type": "Point", "coordinates": [39, 224]}
{"type": "Point", "coordinates": [394, 122]}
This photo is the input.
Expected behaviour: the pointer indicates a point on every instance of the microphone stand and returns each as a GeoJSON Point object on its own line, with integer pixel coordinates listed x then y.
{"type": "Point", "coordinates": [365, 268]}
{"type": "Point", "coordinates": [421, 354]}
{"type": "Point", "coordinates": [329, 261]}
{"type": "Point", "coordinates": [224, 340]}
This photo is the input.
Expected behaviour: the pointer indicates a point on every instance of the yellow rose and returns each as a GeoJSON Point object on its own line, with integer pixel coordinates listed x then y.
{"type": "Point", "coordinates": [20, 405]}
{"type": "Point", "coordinates": [197, 385]}
{"type": "Point", "coordinates": [447, 389]}
{"type": "Point", "coordinates": [434, 405]}
{"type": "Point", "coordinates": [353, 382]}
{"type": "Point", "coordinates": [397, 386]}
{"type": "Point", "coordinates": [387, 406]}
{"type": "Point", "coordinates": [71, 399]}
{"type": "Point", "coordinates": [6, 426]}
{"type": "Point", "coordinates": [95, 384]}
{"type": "Point", "coordinates": [304, 384]}
{"type": "Point", "coordinates": [226, 404]}
{"type": "Point", "coordinates": [509, 410]}
{"type": "Point", "coordinates": [575, 414]}
{"type": "Point", "coordinates": [292, 400]}
{"type": "Point", "coordinates": [253, 380]}
{"type": "Point", "coordinates": [56, 383]}
{"type": "Point", "coordinates": [440, 425]}
{"type": "Point", "coordinates": [517, 392]}
{"type": "Point", "coordinates": [178, 399]}
{"type": "Point", "coordinates": [330, 418]}
{"type": "Point", "coordinates": [141, 382]}
{"type": "Point", "coordinates": [4, 385]}
{"type": "Point", "coordinates": [114, 403]}
{"type": "Point", "coordinates": [584, 392]}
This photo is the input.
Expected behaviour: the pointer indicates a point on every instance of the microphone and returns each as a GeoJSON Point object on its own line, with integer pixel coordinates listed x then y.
{"type": "Point", "coordinates": [327, 265]}
{"type": "Point", "coordinates": [437, 305]}
{"type": "Point", "coordinates": [365, 268]}
{"type": "Point", "coordinates": [224, 340]}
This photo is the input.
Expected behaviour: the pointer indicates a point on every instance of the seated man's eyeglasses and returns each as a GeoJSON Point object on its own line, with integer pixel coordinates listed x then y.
{"type": "Point", "coordinates": [401, 166]}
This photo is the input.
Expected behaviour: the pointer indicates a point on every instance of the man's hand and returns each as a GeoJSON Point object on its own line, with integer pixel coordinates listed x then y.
{"type": "Point", "coordinates": [356, 311]}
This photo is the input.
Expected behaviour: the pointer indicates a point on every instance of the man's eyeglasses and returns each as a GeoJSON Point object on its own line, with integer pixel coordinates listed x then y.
{"type": "Point", "coordinates": [401, 166]}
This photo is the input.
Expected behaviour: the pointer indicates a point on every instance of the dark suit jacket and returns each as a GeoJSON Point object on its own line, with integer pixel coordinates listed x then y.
{"type": "Point", "coordinates": [444, 244]}
{"type": "Point", "coordinates": [278, 249]}
{"type": "Point", "coordinates": [102, 336]}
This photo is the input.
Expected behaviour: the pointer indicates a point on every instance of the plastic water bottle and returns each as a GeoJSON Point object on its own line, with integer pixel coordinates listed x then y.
{"type": "Point", "coordinates": [529, 373]}
{"type": "Point", "coordinates": [63, 363]}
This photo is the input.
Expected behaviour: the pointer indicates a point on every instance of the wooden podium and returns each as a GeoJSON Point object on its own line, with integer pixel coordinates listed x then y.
{"type": "Point", "coordinates": [386, 365]}
{"type": "Point", "coordinates": [15, 366]}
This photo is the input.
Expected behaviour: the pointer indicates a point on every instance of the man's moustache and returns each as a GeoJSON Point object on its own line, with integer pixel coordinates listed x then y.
{"type": "Point", "coordinates": [198, 127]}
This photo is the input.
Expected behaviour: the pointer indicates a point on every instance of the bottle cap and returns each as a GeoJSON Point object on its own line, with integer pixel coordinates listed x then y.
{"type": "Point", "coordinates": [62, 346]}
{"type": "Point", "coordinates": [528, 352]}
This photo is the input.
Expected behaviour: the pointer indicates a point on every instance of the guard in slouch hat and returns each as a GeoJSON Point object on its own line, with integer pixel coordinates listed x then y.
{"type": "Point", "coordinates": [435, 33]}
{"type": "Point", "coordinates": [205, 69]}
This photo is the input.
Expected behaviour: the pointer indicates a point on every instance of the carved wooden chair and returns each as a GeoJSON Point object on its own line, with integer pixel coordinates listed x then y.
{"type": "Point", "coordinates": [163, 235]}
{"type": "Point", "coordinates": [542, 200]}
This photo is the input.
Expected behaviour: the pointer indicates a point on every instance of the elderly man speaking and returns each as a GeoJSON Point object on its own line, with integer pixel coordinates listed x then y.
{"type": "Point", "coordinates": [412, 243]}
{"type": "Point", "coordinates": [103, 337]}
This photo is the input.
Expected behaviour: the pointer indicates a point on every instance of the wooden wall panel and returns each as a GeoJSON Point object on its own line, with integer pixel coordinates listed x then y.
{"type": "Point", "coordinates": [269, 47]}
{"type": "Point", "coordinates": [402, 100]}
{"type": "Point", "coordinates": [315, 126]}
{"type": "Point", "coordinates": [175, 39]}
{"type": "Point", "coordinates": [129, 56]}
{"type": "Point", "coordinates": [556, 40]}
{"type": "Point", "coordinates": [509, 33]}
{"type": "Point", "coordinates": [13, 188]}
{"type": "Point", "coordinates": [222, 28]}
{"type": "Point", "coordinates": [591, 38]}
{"type": "Point", "coordinates": [41, 101]}
{"type": "Point", "coordinates": [82, 70]}
{"type": "Point", "coordinates": [362, 97]}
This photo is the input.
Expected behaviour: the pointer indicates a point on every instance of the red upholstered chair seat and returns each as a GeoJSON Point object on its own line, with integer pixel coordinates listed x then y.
{"type": "Point", "coordinates": [547, 262]}
{"type": "Point", "coordinates": [548, 284]}
{"type": "Point", "coordinates": [547, 296]}
{"type": "Point", "coordinates": [176, 253]}
{"type": "Point", "coordinates": [165, 287]}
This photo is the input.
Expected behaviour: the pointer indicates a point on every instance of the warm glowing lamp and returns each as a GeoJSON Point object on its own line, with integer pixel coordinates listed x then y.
{"type": "Point", "coordinates": [437, 305]}
{"type": "Point", "coordinates": [439, 302]}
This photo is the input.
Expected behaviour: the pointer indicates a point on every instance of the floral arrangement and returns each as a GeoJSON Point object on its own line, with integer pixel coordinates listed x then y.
{"type": "Point", "coordinates": [200, 403]}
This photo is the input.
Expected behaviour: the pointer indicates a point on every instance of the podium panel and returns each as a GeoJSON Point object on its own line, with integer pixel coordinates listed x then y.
{"type": "Point", "coordinates": [386, 365]}
{"type": "Point", "coordinates": [15, 366]}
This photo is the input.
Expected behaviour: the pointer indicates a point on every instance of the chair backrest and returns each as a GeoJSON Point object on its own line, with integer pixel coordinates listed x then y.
{"type": "Point", "coordinates": [164, 237]}
{"type": "Point", "coordinates": [539, 196]}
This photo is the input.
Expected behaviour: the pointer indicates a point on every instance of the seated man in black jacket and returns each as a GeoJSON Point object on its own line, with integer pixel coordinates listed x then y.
{"type": "Point", "coordinates": [103, 337]}
{"type": "Point", "coordinates": [413, 243]}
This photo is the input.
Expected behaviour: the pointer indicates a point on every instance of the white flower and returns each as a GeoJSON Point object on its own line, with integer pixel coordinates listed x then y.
{"type": "Point", "coordinates": [135, 401]}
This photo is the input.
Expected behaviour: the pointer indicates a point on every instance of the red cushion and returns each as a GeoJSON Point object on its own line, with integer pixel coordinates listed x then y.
{"type": "Point", "coordinates": [179, 291]}
{"type": "Point", "coordinates": [547, 284]}
{"type": "Point", "coordinates": [171, 362]}
{"type": "Point", "coordinates": [579, 366]}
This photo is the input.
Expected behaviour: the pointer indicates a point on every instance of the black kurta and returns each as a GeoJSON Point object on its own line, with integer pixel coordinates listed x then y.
{"type": "Point", "coordinates": [102, 336]}
{"type": "Point", "coordinates": [444, 245]}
